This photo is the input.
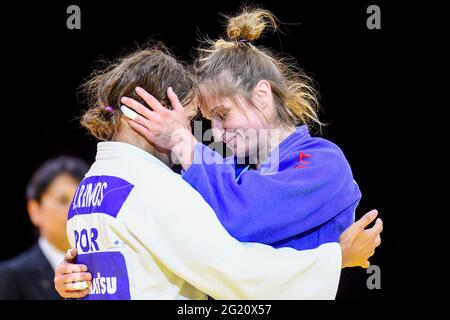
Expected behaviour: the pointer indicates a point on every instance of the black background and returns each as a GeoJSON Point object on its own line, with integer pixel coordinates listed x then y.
{"type": "Point", "coordinates": [360, 73]}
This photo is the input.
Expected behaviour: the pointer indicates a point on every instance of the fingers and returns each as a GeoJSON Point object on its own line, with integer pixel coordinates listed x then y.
{"type": "Point", "coordinates": [76, 286]}
{"type": "Point", "coordinates": [367, 219]}
{"type": "Point", "coordinates": [75, 294]}
{"type": "Point", "coordinates": [149, 122]}
{"type": "Point", "coordinates": [379, 225]}
{"type": "Point", "coordinates": [67, 268]}
{"type": "Point", "coordinates": [137, 107]}
{"type": "Point", "coordinates": [137, 112]}
{"type": "Point", "coordinates": [76, 277]}
{"type": "Point", "coordinates": [377, 228]}
{"type": "Point", "coordinates": [377, 241]}
{"type": "Point", "coordinates": [70, 254]}
{"type": "Point", "coordinates": [142, 130]}
{"type": "Point", "coordinates": [127, 112]}
{"type": "Point", "coordinates": [150, 100]}
{"type": "Point", "coordinates": [72, 280]}
{"type": "Point", "coordinates": [176, 104]}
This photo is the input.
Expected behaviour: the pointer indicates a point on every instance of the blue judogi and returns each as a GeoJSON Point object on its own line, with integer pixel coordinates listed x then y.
{"type": "Point", "coordinates": [302, 195]}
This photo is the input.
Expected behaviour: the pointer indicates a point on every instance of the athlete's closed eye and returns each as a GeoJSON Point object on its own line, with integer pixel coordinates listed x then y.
{"type": "Point", "coordinates": [220, 113]}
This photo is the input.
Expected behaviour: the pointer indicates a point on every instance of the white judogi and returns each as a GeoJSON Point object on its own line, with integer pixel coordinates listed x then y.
{"type": "Point", "coordinates": [145, 233]}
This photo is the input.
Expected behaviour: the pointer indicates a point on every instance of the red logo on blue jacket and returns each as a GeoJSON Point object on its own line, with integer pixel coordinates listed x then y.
{"type": "Point", "coordinates": [302, 163]}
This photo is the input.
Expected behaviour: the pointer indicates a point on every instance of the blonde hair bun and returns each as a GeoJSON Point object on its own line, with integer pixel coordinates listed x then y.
{"type": "Point", "coordinates": [250, 24]}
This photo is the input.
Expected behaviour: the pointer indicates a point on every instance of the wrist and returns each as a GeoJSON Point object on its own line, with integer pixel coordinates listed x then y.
{"type": "Point", "coordinates": [183, 149]}
{"type": "Point", "coordinates": [344, 255]}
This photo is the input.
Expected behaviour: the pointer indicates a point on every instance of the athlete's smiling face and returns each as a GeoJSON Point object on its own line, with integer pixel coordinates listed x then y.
{"type": "Point", "coordinates": [236, 123]}
{"type": "Point", "coordinates": [241, 124]}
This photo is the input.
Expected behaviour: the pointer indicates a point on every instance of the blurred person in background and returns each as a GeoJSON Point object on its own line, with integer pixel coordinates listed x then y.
{"type": "Point", "coordinates": [49, 193]}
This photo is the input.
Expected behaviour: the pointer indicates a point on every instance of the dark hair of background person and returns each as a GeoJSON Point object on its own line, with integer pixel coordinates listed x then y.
{"type": "Point", "coordinates": [49, 170]}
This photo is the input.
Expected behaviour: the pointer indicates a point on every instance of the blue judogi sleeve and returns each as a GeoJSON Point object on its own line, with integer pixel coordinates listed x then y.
{"type": "Point", "coordinates": [311, 185]}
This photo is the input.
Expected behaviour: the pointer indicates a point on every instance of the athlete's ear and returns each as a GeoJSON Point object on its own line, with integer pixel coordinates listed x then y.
{"type": "Point", "coordinates": [263, 93]}
{"type": "Point", "coordinates": [33, 208]}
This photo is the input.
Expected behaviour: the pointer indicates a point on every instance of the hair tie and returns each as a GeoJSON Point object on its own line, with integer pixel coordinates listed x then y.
{"type": "Point", "coordinates": [243, 40]}
{"type": "Point", "coordinates": [109, 109]}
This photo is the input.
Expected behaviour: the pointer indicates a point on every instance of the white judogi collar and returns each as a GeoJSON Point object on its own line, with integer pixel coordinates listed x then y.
{"type": "Point", "coordinates": [53, 255]}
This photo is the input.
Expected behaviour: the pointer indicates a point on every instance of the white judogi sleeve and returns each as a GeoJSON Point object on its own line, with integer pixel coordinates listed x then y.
{"type": "Point", "coordinates": [176, 225]}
